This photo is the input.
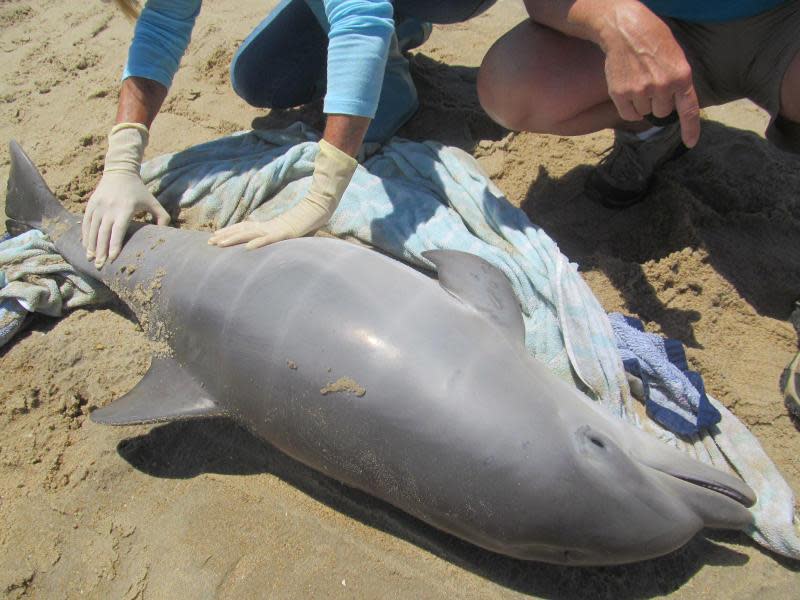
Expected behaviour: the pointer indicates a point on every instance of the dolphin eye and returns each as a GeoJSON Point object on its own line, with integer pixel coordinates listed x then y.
{"type": "Point", "coordinates": [598, 442]}
{"type": "Point", "coordinates": [587, 438]}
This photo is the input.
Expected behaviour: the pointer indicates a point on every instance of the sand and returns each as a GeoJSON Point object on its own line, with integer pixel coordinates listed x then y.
{"type": "Point", "coordinates": [202, 509]}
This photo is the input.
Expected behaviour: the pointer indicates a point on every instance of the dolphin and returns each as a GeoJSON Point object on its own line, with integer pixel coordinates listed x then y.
{"type": "Point", "coordinates": [415, 390]}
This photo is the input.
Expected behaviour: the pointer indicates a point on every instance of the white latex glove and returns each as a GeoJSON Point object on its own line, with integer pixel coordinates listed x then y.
{"type": "Point", "coordinates": [119, 195]}
{"type": "Point", "coordinates": [333, 170]}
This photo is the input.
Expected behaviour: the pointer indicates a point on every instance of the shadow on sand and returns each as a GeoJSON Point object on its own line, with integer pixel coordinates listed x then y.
{"type": "Point", "coordinates": [727, 196]}
{"type": "Point", "coordinates": [183, 450]}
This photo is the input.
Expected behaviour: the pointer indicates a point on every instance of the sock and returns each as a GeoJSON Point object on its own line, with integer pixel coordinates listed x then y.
{"type": "Point", "coordinates": [648, 133]}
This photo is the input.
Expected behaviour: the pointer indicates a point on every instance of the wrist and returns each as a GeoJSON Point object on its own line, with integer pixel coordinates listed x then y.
{"type": "Point", "coordinates": [333, 170]}
{"type": "Point", "coordinates": [131, 125]}
{"type": "Point", "coordinates": [332, 157]}
{"type": "Point", "coordinates": [126, 145]}
{"type": "Point", "coordinates": [610, 23]}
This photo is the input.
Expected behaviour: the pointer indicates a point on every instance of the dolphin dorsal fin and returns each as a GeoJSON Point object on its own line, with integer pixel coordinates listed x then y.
{"type": "Point", "coordinates": [167, 392]}
{"type": "Point", "coordinates": [481, 286]}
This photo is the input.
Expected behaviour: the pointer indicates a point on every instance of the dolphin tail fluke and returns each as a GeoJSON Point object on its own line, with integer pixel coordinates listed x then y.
{"type": "Point", "coordinates": [166, 393]}
{"type": "Point", "coordinates": [29, 202]}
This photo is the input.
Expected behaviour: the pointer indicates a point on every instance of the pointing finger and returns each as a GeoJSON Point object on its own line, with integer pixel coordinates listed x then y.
{"type": "Point", "coordinates": [688, 108]}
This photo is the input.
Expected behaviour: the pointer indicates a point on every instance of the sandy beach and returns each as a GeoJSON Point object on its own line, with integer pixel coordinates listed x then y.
{"type": "Point", "coordinates": [204, 509]}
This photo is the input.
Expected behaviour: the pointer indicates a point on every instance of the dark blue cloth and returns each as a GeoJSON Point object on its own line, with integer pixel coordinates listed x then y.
{"type": "Point", "coordinates": [674, 395]}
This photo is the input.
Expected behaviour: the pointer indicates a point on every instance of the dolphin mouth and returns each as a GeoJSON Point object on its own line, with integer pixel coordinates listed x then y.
{"type": "Point", "coordinates": [739, 495]}
{"type": "Point", "coordinates": [673, 463]}
{"type": "Point", "coordinates": [719, 499]}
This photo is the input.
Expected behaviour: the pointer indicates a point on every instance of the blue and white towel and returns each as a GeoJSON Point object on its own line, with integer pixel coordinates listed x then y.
{"type": "Point", "coordinates": [35, 278]}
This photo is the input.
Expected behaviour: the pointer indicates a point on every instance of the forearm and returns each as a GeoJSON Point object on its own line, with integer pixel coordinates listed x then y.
{"type": "Point", "coordinates": [160, 38]}
{"type": "Point", "coordinates": [346, 132]}
{"type": "Point", "coordinates": [140, 100]}
{"type": "Point", "coordinates": [359, 35]}
{"type": "Point", "coordinates": [646, 69]}
{"type": "Point", "coordinates": [604, 22]}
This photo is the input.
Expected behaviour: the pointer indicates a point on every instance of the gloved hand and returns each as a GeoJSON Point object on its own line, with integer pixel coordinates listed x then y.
{"type": "Point", "coordinates": [333, 170]}
{"type": "Point", "coordinates": [119, 195]}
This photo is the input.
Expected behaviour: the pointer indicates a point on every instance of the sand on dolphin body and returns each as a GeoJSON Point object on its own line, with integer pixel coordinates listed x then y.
{"type": "Point", "coordinates": [203, 509]}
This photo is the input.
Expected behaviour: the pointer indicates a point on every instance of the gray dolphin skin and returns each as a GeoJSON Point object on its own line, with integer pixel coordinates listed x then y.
{"type": "Point", "coordinates": [414, 390]}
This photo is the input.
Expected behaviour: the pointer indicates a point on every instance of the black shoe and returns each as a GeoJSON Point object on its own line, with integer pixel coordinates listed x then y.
{"type": "Point", "coordinates": [624, 174]}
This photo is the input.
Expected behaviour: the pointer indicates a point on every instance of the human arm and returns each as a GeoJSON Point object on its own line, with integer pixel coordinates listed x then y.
{"type": "Point", "coordinates": [161, 36]}
{"type": "Point", "coordinates": [121, 192]}
{"type": "Point", "coordinates": [646, 70]}
{"type": "Point", "coordinates": [333, 169]}
{"type": "Point", "coordinates": [359, 33]}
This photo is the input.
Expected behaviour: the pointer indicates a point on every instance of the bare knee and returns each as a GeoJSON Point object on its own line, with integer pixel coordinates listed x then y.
{"type": "Point", "coordinates": [512, 87]}
{"type": "Point", "coordinates": [496, 89]}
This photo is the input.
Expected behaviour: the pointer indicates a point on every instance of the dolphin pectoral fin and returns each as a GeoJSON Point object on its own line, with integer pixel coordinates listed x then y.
{"type": "Point", "coordinates": [482, 286]}
{"type": "Point", "coordinates": [166, 393]}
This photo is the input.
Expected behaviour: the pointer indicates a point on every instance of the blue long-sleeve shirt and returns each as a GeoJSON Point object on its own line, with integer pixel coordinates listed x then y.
{"type": "Point", "coordinates": [359, 34]}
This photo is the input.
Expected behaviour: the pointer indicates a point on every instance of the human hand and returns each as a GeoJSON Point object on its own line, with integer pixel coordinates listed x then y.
{"type": "Point", "coordinates": [646, 70]}
{"type": "Point", "coordinates": [119, 195]}
{"type": "Point", "coordinates": [333, 170]}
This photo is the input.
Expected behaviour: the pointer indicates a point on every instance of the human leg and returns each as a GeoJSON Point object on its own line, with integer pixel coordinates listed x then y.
{"type": "Point", "coordinates": [398, 101]}
{"type": "Point", "coordinates": [784, 130]}
{"type": "Point", "coordinates": [441, 11]}
{"type": "Point", "coordinates": [790, 91]}
{"type": "Point", "coordinates": [769, 68]}
{"type": "Point", "coordinates": [537, 79]}
{"type": "Point", "coordinates": [281, 64]}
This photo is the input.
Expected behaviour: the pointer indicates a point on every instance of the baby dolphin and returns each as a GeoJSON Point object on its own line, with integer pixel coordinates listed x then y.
{"type": "Point", "coordinates": [417, 391]}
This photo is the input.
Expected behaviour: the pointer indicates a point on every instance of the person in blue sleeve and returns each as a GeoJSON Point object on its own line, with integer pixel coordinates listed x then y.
{"type": "Point", "coordinates": [579, 66]}
{"type": "Point", "coordinates": [350, 50]}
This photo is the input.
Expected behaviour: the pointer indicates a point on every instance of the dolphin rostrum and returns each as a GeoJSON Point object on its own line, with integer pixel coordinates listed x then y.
{"type": "Point", "coordinates": [416, 391]}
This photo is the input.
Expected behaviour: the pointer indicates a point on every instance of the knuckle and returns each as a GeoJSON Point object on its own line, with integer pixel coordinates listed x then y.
{"type": "Point", "coordinates": [684, 73]}
{"type": "Point", "coordinates": [647, 90]}
{"type": "Point", "coordinates": [623, 94]}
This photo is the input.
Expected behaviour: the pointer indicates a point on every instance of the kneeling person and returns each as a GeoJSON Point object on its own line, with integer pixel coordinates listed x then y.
{"type": "Point", "coordinates": [579, 66]}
